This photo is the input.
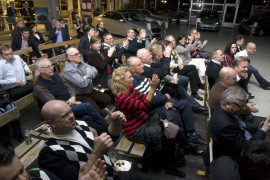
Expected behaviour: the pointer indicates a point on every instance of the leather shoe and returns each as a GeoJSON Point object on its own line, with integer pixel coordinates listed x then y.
{"type": "Point", "coordinates": [174, 171]}
{"type": "Point", "coordinates": [193, 150]}
{"type": "Point", "coordinates": [197, 140]}
{"type": "Point", "coordinates": [8, 146]}
{"type": "Point", "coordinates": [196, 96]}
{"type": "Point", "coordinates": [200, 109]}
{"type": "Point", "coordinates": [250, 96]}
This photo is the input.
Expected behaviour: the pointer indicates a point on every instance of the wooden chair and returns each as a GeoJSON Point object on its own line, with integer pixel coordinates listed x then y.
{"type": "Point", "coordinates": [24, 51]}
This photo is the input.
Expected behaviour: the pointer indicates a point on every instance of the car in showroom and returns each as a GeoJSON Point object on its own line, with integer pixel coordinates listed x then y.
{"type": "Point", "coordinates": [148, 13]}
{"type": "Point", "coordinates": [117, 22]}
{"type": "Point", "coordinates": [258, 25]}
{"type": "Point", "coordinates": [208, 20]}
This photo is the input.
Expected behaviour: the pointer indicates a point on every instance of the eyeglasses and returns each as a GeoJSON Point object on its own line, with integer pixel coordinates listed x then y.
{"type": "Point", "coordinates": [48, 67]}
{"type": "Point", "coordinates": [77, 54]}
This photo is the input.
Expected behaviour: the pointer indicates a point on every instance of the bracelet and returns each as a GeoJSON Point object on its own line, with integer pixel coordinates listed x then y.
{"type": "Point", "coordinates": [96, 153]}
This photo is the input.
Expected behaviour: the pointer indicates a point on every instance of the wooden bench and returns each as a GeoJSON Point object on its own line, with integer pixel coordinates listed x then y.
{"type": "Point", "coordinates": [24, 51]}
{"type": "Point", "coordinates": [28, 153]}
{"type": "Point", "coordinates": [129, 148]}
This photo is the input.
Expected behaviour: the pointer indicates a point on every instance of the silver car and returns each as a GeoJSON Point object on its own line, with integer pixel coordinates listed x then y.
{"type": "Point", "coordinates": [117, 22]}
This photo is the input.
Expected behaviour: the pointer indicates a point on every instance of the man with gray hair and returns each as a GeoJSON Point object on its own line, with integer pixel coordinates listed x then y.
{"type": "Point", "coordinates": [51, 86]}
{"type": "Point", "coordinates": [214, 66]}
{"type": "Point", "coordinates": [80, 75]}
{"type": "Point", "coordinates": [229, 133]}
{"type": "Point", "coordinates": [251, 49]}
{"type": "Point", "coordinates": [59, 34]}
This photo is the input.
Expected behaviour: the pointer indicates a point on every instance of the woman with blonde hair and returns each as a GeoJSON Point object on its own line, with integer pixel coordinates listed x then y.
{"type": "Point", "coordinates": [143, 124]}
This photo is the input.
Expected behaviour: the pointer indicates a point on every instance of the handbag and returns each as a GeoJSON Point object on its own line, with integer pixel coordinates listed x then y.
{"type": "Point", "coordinates": [4, 98]}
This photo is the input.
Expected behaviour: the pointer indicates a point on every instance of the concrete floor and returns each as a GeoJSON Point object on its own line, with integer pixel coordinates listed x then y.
{"type": "Point", "coordinates": [260, 60]}
{"type": "Point", "coordinates": [30, 116]}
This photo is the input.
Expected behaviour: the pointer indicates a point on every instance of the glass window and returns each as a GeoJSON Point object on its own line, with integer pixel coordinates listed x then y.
{"type": "Point", "coordinates": [197, 1]}
{"type": "Point", "coordinates": [208, 1]}
{"type": "Point", "coordinates": [218, 7]}
{"type": "Point", "coordinates": [207, 7]}
{"type": "Point", "coordinates": [116, 16]}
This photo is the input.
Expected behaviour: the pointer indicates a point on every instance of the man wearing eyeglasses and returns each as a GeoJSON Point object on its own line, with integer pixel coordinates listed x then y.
{"type": "Point", "coordinates": [230, 134]}
{"type": "Point", "coordinates": [12, 74]}
{"type": "Point", "coordinates": [51, 86]}
{"type": "Point", "coordinates": [80, 75]}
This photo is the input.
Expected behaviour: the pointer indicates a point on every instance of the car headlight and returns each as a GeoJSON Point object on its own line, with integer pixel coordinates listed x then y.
{"type": "Point", "coordinates": [148, 26]}
{"type": "Point", "coordinates": [216, 23]}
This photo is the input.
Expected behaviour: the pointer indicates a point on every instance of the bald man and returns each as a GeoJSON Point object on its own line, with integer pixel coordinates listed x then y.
{"type": "Point", "coordinates": [251, 49]}
{"type": "Point", "coordinates": [227, 78]}
{"type": "Point", "coordinates": [74, 143]}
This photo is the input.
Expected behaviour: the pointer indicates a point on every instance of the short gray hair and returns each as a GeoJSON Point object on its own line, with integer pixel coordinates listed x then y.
{"type": "Point", "coordinates": [215, 52]}
{"type": "Point", "coordinates": [167, 37]}
{"type": "Point", "coordinates": [39, 62]}
{"type": "Point", "coordinates": [129, 29]}
{"type": "Point", "coordinates": [141, 53]}
{"type": "Point", "coordinates": [130, 61]}
{"type": "Point", "coordinates": [233, 94]}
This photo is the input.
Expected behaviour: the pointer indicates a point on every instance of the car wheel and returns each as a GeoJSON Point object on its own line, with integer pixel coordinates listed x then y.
{"type": "Point", "coordinates": [260, 32]}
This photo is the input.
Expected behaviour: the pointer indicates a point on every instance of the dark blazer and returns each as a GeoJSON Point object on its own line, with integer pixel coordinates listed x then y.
{"type": "Point", "coordinates": [10, 12]}
{"type": "Point", "coordinates": [39, 41]}
{"type": "Point", "coordinates": [17, 44]}
{"type": "Point", "coordinates": [53, 36]}
{"type": "Point", "coordinates": [133, 47]}
{"type": "Point", "coordinates": [96, 60]}
{"type": "Point", "coordinates": [117, 53]}
{"type": "Point", "coordinates": [161, 69]}
{"type": "Point", "coordinates": [212, 71]}
{"type": "Point", "coordinates": [49, 26]}
{"type": "Point", "coordinates": [24, 11]}
{"type": "Point", "coordinates": [229, 139]}
{"type": "Point", "coordinates": [84, 47]}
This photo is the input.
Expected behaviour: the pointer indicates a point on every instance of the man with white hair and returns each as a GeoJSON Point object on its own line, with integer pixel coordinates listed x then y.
{"type": "Point", "coordinates": [80, 76]}
{"type": "Point", "coordinates": [230, 134]}
{"type": "Point", "coordinates": [251, 49]}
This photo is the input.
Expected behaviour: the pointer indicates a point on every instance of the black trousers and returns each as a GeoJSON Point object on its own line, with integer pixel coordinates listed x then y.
{"type": "Point", "coordinates": [19, 92]}
{"type": "Point", "coordinates": [191, 72]}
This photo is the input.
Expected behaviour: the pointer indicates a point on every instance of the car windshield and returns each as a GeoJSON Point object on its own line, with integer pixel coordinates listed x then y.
{"type": "Point", "coordinates": [132, 16]}
{"type": "Point", "coordinates": [209, 14]}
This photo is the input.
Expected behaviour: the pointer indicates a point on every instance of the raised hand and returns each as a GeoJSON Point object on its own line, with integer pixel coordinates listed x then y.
{"type": "Point", "coordinates": [102, 143]}
{"type": "Point", "coordinates": [154, 82]}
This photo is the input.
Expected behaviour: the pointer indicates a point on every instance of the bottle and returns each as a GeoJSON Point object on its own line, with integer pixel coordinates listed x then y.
{"type": "Point", "coordinates": [27, 137]}
{"type": "Point", "coordinates": [99, 87]}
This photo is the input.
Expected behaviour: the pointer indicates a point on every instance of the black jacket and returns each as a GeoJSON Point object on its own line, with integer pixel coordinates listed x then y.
{"type": "Point", "coordinates": [53, 36]}
{"type": "Point", "coordinates": [133, 47]}
{"type": "Point", "coordinates": [39, 41]}
{"type": "Point", "coordinates": [17, 44]}
{"type": "Point", "coordinates": [161, 69]}
{"type": "Point", "coordinates": [96, 60]}
{"type": "Point", "coordinates": [10, 12]}
{"type": "Point", "coordinates": [212, 71]}
{"type": "Point", "coordinates": [229, 139]}
{"type": "Point", "coordinates": [84, 47]}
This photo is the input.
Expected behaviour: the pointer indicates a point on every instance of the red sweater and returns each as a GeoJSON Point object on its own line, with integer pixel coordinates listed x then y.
{"type": "Point", "coordinates": [133, 105]}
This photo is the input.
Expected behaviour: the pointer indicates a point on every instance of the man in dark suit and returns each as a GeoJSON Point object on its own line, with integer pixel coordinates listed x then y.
{"type": "Point", "coordinates": [84, 45]}
{"type": "Point", "coordinates": [57, 35]}
{"type": "Point", "coordinates": [134, 43]}
{"type": "Point", "coordinates": [27, 11]}
{"type": "Point", "coordinates": [11, 13]}
{"type": "Point", "coordinates": [229, 133]}
{"type": "Point", "coordinates": [18, 30]}
{"type": "Point", "coordinates": [214, 67]}
{"type": "Point", "coordinates": [240, 40]}
{"type": "Point", "coordinates": [117, 54]}
{"type": "Point", "coordinates": [23, 40]}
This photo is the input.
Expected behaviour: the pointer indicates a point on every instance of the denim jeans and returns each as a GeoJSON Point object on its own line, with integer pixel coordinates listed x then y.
{"type": "Point", "coordinates": [257, 75]}
{"type": "Point", "coordinates": [184, 81]}
{"type": "Point", "coordinates": [85, 111]}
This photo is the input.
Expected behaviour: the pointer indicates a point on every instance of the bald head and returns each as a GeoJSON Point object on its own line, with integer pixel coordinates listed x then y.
{"type": "Point", "coordinates": [227, 76]}
{"type": "Point", "coordinates": [251, 48]}
{"type": "Point", "coordinates": [50, 109]}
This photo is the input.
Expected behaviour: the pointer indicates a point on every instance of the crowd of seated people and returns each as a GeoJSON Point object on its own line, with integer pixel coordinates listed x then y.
{"type": "Point", "coordinates": [140, 101]}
